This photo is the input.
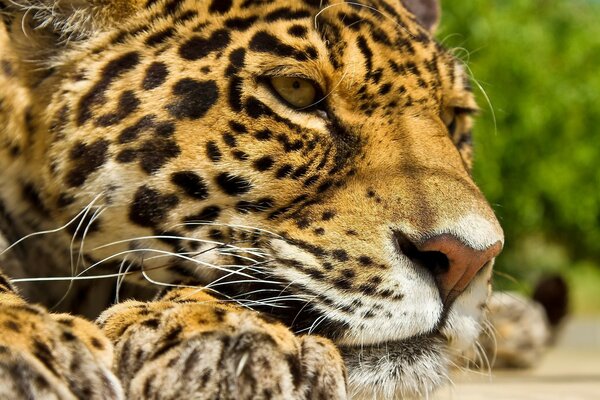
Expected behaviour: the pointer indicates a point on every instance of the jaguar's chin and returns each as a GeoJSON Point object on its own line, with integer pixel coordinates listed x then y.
{"type": "Point", "coordinates": [411, 368]}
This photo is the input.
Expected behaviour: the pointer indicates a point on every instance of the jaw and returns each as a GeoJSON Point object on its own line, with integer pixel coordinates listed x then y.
{"type": "Point", "coordinates": [411, 368]}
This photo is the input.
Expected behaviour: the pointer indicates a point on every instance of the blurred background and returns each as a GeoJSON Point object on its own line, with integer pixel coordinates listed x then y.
{"type": "Point", "coordinates": [537, 68]}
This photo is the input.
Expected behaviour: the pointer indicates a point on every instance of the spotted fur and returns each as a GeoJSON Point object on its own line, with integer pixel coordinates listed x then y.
{"type": "Point", "coordinates": [149, 132]}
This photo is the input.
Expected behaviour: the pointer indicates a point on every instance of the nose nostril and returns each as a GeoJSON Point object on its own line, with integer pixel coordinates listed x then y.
{"type": "Point", "coordinates": [452, 263]}
{"type": "Point", "coordinates": [434, 261]}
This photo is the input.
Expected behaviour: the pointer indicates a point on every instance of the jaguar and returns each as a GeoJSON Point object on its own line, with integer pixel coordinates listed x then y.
{"type": "Point", "coordinates": [236, 199]}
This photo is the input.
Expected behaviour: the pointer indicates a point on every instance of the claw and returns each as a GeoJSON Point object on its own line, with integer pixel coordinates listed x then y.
{"type": "Point", "coordinates": [242, 364]}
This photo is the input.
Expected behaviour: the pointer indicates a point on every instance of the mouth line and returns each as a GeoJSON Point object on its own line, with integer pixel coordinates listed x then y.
{"type": "Point", "coordinates": [435, 336]}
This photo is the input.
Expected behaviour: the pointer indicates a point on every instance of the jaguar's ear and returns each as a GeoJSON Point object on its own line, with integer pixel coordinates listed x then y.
{"type": "Point", "coordinates": [50, 24]}
{"type": "Point", "coordinates": [426, 11]}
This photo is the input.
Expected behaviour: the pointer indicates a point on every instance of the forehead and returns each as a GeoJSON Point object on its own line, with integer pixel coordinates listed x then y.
{"type": "Point", "coordinates": [374, 37]}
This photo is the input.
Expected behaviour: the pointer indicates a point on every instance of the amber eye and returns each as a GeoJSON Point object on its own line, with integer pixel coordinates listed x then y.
{"type": "Point", "coordinates": [298, 92]}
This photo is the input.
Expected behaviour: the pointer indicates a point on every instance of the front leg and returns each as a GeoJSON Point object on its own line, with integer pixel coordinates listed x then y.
{"type": "Point", "coordinates": [189, 345]}
{"type": "Point", "coordinates": [51, 356]}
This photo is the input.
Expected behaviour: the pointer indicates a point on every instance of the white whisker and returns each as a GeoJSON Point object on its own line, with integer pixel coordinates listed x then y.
{"type": "Point", "coordinates": [46, 232]}
{"type": "Point", "coordinates": [242, 228]}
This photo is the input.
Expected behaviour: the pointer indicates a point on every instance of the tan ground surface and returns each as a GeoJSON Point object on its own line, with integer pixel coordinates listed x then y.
{"type": "Point", "coordinates": [569, 372]}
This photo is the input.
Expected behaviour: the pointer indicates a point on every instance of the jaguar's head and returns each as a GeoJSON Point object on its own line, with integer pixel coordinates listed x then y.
{"type": "Point", "coordinates": [310, 159]}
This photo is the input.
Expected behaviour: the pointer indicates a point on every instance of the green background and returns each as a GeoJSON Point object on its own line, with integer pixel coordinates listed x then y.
{"type": "Point", "coordinates": [538, 137]}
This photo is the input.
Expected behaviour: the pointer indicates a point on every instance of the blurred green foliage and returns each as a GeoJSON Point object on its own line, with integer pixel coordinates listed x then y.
{"type": "Point", "coordinates": [538, 152]}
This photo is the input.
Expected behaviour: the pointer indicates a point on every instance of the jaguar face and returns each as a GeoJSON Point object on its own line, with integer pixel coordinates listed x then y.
{"type": "Point", "coordinates": [308, 159]}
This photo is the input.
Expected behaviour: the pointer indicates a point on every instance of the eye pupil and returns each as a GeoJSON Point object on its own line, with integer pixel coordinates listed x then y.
{"type": "Point", "coordinates": [296, 85]}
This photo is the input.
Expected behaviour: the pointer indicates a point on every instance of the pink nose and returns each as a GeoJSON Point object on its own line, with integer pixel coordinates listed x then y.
{"type": "Point", "coordinates": [463, 263]}
{"type": "Point", "coordinates": [452, 263]}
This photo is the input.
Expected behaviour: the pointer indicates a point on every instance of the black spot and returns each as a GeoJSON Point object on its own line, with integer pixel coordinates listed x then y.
{"type": "Point", "coordinates": [366, 52]}
{"type": "Point", "coordinates": [220, 6]}
{"type": "Point", "coordinates": [212, 151]}
{"type": "Point", "coordinates": [319, 231]}
{"type": "Point", "coordinates": [128, 103]}
{"type": "Point", "coordinates": [385, 88]}
{"type": "Point", "coordinates": [235, 93]}
{"type": "Point", "coordinates": [264, 163]}
{"type": "Point", "coordinates": [342, 283]}
{"type": "Point", "coordinates": [264, 134]}
{"type": "Point", "coordinates": [240, 155]}
{"type": "Point", "coordinates": [317, 3]}
{"type": "Point", "coordinates": [97, 343]}
{"type": "Point", "coordinates": [340, 255]}
{"type": "Point", "coordinates": [367, 289]}
{"type": "Point", "coordinates": [208, 214]}
{"type": "Point", "coordinates": [113, 70]}
{"type": "Point", "coordinates": [327, 215]}
{"type": "Point", "coordinates": [284, 171]}
{"type": "Point", "coordinates": [298, 31]}
{"type": "Point", "coordinates": [255, 3]}
{"type": "Point", "coordinates": [240, 23]}
{"type": "Point", "coordinates": [229, 140]}
{"type": "Point", "coordinates": [64, 200]}
{"type": "Point", "coordinates": [233, 185]}
{"type": "Point", "coordinates": [12, 325]}
{"type": "Point", "coordinates": [131, 133]}
{"type": "Point", "coordinates": [172, 6]}
{"type": "Point", "coordinates": [348, 273]}
{"type": "Point", "coordinates": [185, 16]}
{"type": "Point", "coordinates": [237, 127]}
{"type": "Point", "coordinates": [365, 260]}
{"type": "Point", "coordinates": [216, 235]}
{"type": "Point", "coordinates": [192, 184]}
{"type": "Point", "coordinates": [311, 181]}
{"type": "Point", "coordinates": [126, 156]}
{"type": "Point", "coordinates": [286, 13]}
{"type": "Point", "coordinates": [376, 280]}
{"type": "Point", "coordinates": [156, 152]}
{"type": "Point", "coordinates": [300, 172]}
{"type": "Point", "coordinates": [31, 194]}
{"type": "Point", "coordinates": [165, 129]}
{"type": "Point", "coordinates": [255, 108]}
{"type": "Point", "coordinates": [303, 223]}
{"type": "Point", "coordinates": [351, 20]}
{"type": "Point", "coordinates": [43, 353]}
{"type": "Point", "coordinates": [87, 158]}
{"type": "Point", "coordinates": [150, 207]}
{"type": "Point", "coordinates": [198, 47]}
{"type": "Point", "coordinates": [195, 98]}
{"type": "Point", "coordinates": [288, 145]}
{"type": "Point", "coordinates": [151, 323]}
{"type": "Point", "coordinates": [160, 37]}
{"type": "Point", "coordinates": [264, 42]}
{"type": "Point", "coordinates": [156, 74]}
{"type": "Point", "coordinates": [236, 59]}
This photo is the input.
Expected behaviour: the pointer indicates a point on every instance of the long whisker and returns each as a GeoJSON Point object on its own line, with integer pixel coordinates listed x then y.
{"type": "Point", "coordinates": [121, 279]}
{"type": "Point", "coordinates": [94, 217]}
{"type": "Point", "coordinates": [81, 275]}
{"type": "Point", "coordinates": [75, 267]}
{"type": "Point", "coordinates": [46, 232]}
{"type": "Point", "coordinates": [158, 283]}
{"type": "Point", "coordinates": [171, 237]}
{"type": "Point", "coordinates": [242, 228]}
